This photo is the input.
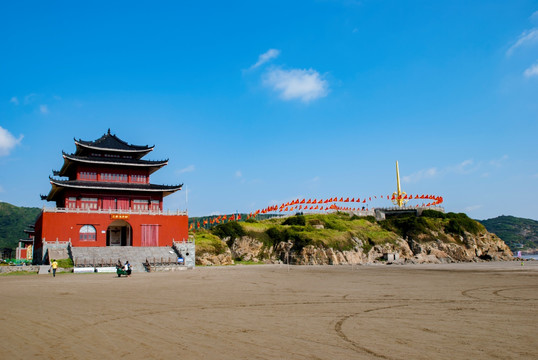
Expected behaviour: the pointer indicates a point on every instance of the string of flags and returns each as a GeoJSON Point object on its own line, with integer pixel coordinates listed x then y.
{"type": "Point", "coordinates": [320, 205]}
{"type": "Point", "coordinates": [331, 204]}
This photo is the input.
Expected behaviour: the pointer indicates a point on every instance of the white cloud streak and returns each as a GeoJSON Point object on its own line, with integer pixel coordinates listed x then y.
{"type": "Point", "coordinates": [7, 141]}
{"type": "Point", "coordinates": [472, 208]}
{"type": "Point", "coordinates": [301, 84]}
{"type": "Point", "coordinates": [238, 174]}
{"type": "Point", "coordinates": [532, 71]}
{"type": "Point", "coordinates": [44, 109]}
{"type": "Point", "coordinates": [528, 37]}
{"type": "Point", "coordinates": [464, 167]}
{"type": "Point", "coordinates": [499, 162]}
{"type": "Point", "coordinates": [266, 57]}
{"type": "Point", "coordinates": [419, 175]}
{"type": "Point", "coordinates": [187, 169]}
{"type": "Point", "coordinates": [14, 100]}
{"type": "Point", "coordinates": [29, 98]}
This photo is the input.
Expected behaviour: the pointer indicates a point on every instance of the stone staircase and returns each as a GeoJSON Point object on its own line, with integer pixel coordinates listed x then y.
{"type": "Point", "coordinates": [108, 256]}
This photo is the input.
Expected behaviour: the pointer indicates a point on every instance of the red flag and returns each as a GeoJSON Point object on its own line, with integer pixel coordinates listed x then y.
{"type": "Point", "coordinates": [192, 226]}
{"type": "Point", "coordinates": [309, 201]}
{"type": "Point", "coordinates": [346, 200]}
{"type": "Point", "coordinates": [364, 201]}
{"type": "Point", "coordinates": [302, 201]}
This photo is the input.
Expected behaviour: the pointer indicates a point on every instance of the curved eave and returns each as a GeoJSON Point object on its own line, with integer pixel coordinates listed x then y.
{"type": "Point", "coordinates": [59, 185]}
{"type": "Point", "coordinates": [68, 158]}
{"type": "Point", "coordinates": [129, 151]}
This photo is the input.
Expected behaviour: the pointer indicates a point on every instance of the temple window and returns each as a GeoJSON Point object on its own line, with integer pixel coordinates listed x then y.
{"type": "Point", "coordinates": [155, 205]}
{"type": "Point", "coordinates": [140, 204]}
{"type": "Point", "coordinates": [71, 203]}
{"type": "Point", "coordinates": [138, 178]}
{"type": "Point", "coordinates": [114, 177]}
{"type": "Point", "coordinates": [86, 175]}
{"type": "Point", "coordinates": [87, 233]}
{"type": "Point", "coordinates": [88, 203]}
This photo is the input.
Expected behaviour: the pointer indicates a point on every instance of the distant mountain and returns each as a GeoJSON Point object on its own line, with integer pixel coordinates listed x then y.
{"type": "Point", "coordinates": [517, 233]}
{"type": "Point", "coordinates": [13, 220]}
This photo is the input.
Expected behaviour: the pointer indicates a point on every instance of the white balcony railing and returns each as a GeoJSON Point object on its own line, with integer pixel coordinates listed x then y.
{"type": "Point", "coordinates": [114, 211]}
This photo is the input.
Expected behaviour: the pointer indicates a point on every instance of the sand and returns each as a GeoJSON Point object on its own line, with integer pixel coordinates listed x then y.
{"type": "Point", "coordinates": [455, 311]}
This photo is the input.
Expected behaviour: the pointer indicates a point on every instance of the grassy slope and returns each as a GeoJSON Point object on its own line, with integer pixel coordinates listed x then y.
{"type": "Point", "coordinates": [13, 220]}
{"type": "Point", "coordinates": [339, 228]}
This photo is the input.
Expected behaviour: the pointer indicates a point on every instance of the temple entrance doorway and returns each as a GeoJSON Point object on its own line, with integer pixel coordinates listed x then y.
{"type": "Point", "coordinates": [119, 233]}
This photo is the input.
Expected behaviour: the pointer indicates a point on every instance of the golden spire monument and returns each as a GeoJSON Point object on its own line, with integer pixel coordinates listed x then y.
{"type": "Point", "coordinates": [398, 196]}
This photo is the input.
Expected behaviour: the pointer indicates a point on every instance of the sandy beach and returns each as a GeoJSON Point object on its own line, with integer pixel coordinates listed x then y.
{"type": "Point", "coordinates": [454, 311]}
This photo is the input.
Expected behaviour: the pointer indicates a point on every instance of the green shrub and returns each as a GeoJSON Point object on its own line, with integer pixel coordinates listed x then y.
{"type": "Point", "coordinates": [295, 220]}
{"type": "Point", "coordinates": [465, 223]}
{"type": "Point", "coordinates": [369, 218]}
{"type": "Point", "coordinates": [231, 229]}
{"type": "Point", "coordinates": [433, 214]}
{"type": "Point", "coordinates": [453, 227]}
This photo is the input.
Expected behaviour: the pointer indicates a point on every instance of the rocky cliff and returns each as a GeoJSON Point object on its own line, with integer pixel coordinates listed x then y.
{"type": "Point", "coordinates": [431, 241]}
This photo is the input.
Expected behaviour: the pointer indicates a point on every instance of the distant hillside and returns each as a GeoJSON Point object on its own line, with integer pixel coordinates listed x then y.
{"type": "Point", "coordinates": [13, 220]}
{"type": "Point", "coordinates": [517, 233]}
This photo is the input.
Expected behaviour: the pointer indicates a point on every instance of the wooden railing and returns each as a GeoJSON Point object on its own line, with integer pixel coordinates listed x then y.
{"type": "Point", "coordinates": [113, 211]}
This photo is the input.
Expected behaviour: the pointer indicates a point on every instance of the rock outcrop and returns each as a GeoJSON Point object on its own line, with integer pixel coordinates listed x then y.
{"type": "Point", "coordinates": [467, 248]}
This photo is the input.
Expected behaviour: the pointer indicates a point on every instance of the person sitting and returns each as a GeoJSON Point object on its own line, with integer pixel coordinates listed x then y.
{"type": "Point", "coordinates": [147, 265]}
{"type": "Point", "coordinates": [127, 268]}
{"type": "Point", "coordinates": [119, 265]}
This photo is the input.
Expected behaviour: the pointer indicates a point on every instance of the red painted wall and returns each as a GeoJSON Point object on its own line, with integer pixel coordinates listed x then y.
{"type": "Point", "coordinates": [53, 226]}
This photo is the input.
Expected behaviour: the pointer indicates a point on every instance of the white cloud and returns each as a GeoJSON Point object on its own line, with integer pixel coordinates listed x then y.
{"type": "Point", "coordinates": [528, 37]}
{"type": "Point", "coordinates": [419, 175]}
{"type": "Point", "coordinates": [464, 167]}
{"type": "Point", "coordinates": [44, 109]}
{"type": "Point", "coordinates": [238, 174]}
{"type": "Point", "coordinates": [498, 162]}
{"type": "Point", "coordinates": [1, 189]}
{"type": "Point", "coordinates": [29, 98]}
{"type": "Point", "coordinates": [7, 141]}
{"type": "Point", "coordinates": [532, 71]}
{"type": "Point", "coordinates": [14, 100]}
{"type": "Point", "coordinates": [534, 15]}
{"type": "Point", "coordinates": [302, 84]}
{"type": "Point", "coordinates": [188, 169]}
{"type": "Point", "coordinates": [472, 208]}
{"type": "Point", "coordinates": [265, 57]}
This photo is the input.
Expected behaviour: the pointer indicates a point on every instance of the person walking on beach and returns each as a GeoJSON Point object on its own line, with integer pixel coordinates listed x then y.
{"type": "Point", "coordinates": [54, 266]}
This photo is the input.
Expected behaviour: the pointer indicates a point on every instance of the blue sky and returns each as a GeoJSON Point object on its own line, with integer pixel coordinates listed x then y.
{"type": "Point", "coordinates": [256, 103]}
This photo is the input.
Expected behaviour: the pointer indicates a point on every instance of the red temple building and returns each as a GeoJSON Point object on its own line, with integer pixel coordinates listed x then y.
{"type": "Point", "coordinates": [104, 198]}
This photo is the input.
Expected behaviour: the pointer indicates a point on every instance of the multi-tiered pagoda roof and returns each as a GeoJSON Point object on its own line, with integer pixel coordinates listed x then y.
{"type": "Point", "coordinates": [106, 155]}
